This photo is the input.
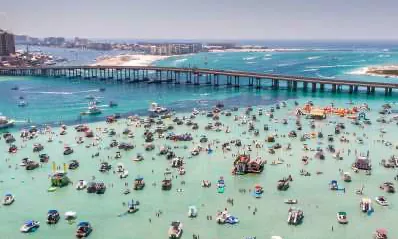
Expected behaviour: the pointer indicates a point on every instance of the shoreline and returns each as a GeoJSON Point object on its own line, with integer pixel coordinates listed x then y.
{"type": "Point", "coordinates": [128, 60]}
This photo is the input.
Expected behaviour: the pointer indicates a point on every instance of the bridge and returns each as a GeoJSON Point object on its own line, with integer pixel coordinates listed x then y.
{"type": "Point", "coordinates": [196, 76]}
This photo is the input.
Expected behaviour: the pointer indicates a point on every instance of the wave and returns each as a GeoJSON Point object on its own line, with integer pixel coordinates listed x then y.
{"type": "Point", "coordinates": [249, 58]}
{"type": "Point", "coordinates": [61, 92]}
{"type": "Point", "coordinates": [384, 56]}
{"type": "Point", "coordinates": [327, 66]}
{"type": "Point", "coordinates": [181, 60]}
{"type": "Point", "coordinates": [268, 55]}
{"type": "Point", "coordinates": [251, 62]}
{"type": "Point", "coordinates": [313, 57]}
{"type": "Point", "coordinates": [325, 77]}
{"type": "Point", "coordinates": [313, 69]}
{"type": "Point", "coordinates": [267, 58]}
{"type": "Point", "coordinates": [359, 71]}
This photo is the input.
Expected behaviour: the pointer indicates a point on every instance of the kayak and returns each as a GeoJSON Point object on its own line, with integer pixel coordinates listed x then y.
{"type": "Point", "coordinates": [52, 189]}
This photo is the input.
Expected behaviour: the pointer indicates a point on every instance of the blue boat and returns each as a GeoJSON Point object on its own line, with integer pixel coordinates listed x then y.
{"type": "Point", "coordinates": [84, 229]}
{"type": "Point", "coordinates": [30, 226]}
{"type": "Point", "coordinates": [52, 216]}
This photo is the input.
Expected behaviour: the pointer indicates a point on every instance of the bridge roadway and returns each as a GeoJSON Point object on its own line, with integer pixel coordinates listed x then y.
{"type": "Point", "coordinates": [197, 72]}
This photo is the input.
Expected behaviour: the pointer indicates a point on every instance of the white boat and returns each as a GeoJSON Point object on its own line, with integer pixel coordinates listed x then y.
{"type": "Point", "coordinates": [192, 211]}
{"type": "Point", "coordinates": [81, 185]}
{"type": "Point", "coordinates": [155, 109]}
{"type": "Point", "coordinates": [22, 103]}
{"type": "Point", "coordinates": [291, 201]}
{"type": "Point", "coordinates": [92, 110]}
{"type": "Point", "coordinates": [342, 217]}
{"type": "Point", "coordinates": [175, 230]}
{"type": "Point", "coordinates": [5, 122]}
{"type": "Point", "coordinates": [8, 199]}
{"type": "Point", "coordinates": [124, 174]}
{"type": "Point", "coordinates": [381, 201]}
{"type": "Point", "coordinates": [69, 216]}
{"type": "Point", "coordinates": [29, 226]}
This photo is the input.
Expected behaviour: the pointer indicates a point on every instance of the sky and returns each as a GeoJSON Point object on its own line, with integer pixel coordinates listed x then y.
{"type": "Point", "coordinates": [203, 19]}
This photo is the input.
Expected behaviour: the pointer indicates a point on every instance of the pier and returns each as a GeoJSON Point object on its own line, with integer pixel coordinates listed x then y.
{"type": "Point", "coordinates": [196, 76]}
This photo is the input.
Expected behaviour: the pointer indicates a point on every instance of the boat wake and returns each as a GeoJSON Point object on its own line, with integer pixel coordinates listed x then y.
{"type": "Point", "coordinates": [313, 57]}
{"type": "Point", "coordinates": [325, 77]}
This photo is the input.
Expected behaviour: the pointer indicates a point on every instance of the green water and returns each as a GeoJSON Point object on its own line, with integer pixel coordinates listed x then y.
{"type": "Point", "coordinates": [320, 204]}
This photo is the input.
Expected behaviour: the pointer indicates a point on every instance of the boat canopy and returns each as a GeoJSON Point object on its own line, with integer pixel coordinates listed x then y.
{"type": "Point", "coordinates": [8, 195]}
{"type": "Point", "coordinates": [83, 224]}
{"type": "Point", "coordinates": [139, 178]}
{"type": "Point", "coordinates": [29, 223]}
{"type": "Point", "coordinates": [52, 211]}
{"type": "Point", "coordinates": [343, 213]}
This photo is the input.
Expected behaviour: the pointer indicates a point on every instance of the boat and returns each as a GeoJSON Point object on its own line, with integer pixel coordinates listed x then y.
{"type": "Point", "coordinates": [73, 164]}
{"type": "Point", "coordinates": [258, 191]}
{"type": "Point", "coordinates": [92, 110]}
{"type": "Point", "coordinates": [225, 217]}
{"type": "Point", "coordinates": [342, 217]}
{"type": "Point", "coordinates": [81, 185]}
{"type": "Point", "coordinates": [291, 201]}
{"type": "Point", "coordinates": [84, 229]}
{"type": "Point", "coordinates": [15, 88]}
{"type": "Point", "coordinates": [206, 183]}
{"type": "Point", "coordinates": [175, 230]}
{"type": "Point", "coordinates": [388, 187]}
{"type": "Point", "coordinates": [6, 123]}
{"type": "Point", "coordinates": [380, 233]}
{"type": "Point", "coordinates": [100, 188]}
{"type": "Point", "coordinates": [156, 110]}
{"type": "Point", "coordinates": [52, 217]}
{"type": "Point", "coordinates": [112, 104]}
{"type": "Point", "coordinates": [124, 174]}
{"type": "Point", "coordinates": [166, 184]}
{"type": "Point", "coordinates": [381, 200]}
{"type": "Point", "coordinates": [68, 150]}
{"type": "Point", "coordinates": [70, 216]}
{"type": "Point", "coordinates": [346, 177]}
{"type": "Point", "coordinates": [22, 103]}
{"type": "Point", "coordinates": [8, 199]}
{"type": "Point", "coordinates": [333, 185]}
{"type": "Point", "coordinates": [366, 205]}
{"type": "Point", "coordinates": [138, 158]}
{"type": "Point", "coordinates": [192, 211]}
{"type": "Point", "coordinates": [102, 89]}
{"type": "Point", "coordinates": [133, 206]}
{"type": "Point", "coordinates": [295, 216]}
{"type": "Point", "coordinates": [139, 183]}
{"type": "Point", "coordinates": [221, 185]}
{"type": "Point", "coordinates": [30, 226]}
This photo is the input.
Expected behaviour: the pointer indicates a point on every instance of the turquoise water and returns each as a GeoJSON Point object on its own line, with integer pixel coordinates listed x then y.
{"type": "Point", "coordinates": [67, 97]}
{"type": "Point", "coordinates": [54, 100]}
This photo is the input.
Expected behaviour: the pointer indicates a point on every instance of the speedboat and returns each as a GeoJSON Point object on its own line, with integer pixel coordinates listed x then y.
{"type": "Point", "coordinates": [175, 230]}
{"type": "Point", "coordinates": [30, 226]}
{"type": "Point", "coordinates": [133, 206]}
{"type": "Point", "coordinates": [381, 200]}
{"type": "Point", "coordinates": [52, 217]}
{"type": "Point", "coordinates": [73, 164]}
{"type": "Point", "coordinates": [192, 211]}
{"type": "Point", "coordinates": [258, 191]}
{"type": "Point", "coordinates": [8, 199]}
{"type": "Point", "coordinates": [84, 229]}
{"type": "Point", "coordinates": [342, 217]}
{"type": "Point", "coordinates": [291, 201]}
{"type": "Point", "coordinates": [81, 185]}
{"type": "Point", "coordinates": [366, 205]}
{"type": "Point", "coordinates": [92, 110]}
{"type": "Point", "coordinates": [5, 122]}
{"type": "Point", "coordinates": [295, 216]}
{"type": "Point", "coordinates": [68, 150]}
{"type": "Point", "coordinates": [124, 174]}
{"type": "Point", "coordinates": [22, 103]}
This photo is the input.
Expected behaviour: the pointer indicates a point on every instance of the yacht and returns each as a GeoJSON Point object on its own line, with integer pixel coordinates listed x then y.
{"type": "Point", "coordinates": [5, 122]}
{"type": "Point", "coordinates": [30, 226]}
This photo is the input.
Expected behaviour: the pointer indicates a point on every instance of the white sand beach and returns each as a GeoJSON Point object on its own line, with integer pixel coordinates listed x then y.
{"type": "Point", "coordinates": [128, 60]}
{"type": "Point", "coordinates": [256, 50]}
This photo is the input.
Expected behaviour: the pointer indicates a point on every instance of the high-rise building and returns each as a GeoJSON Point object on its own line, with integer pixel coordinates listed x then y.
{"type": "Point", "coordinates": [7, 43]}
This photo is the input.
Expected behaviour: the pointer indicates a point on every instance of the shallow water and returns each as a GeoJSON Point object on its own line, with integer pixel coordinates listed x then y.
{"type": "Point", "coordinates": [320, 205]}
